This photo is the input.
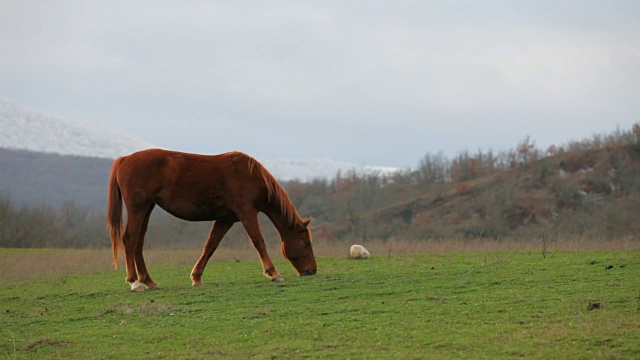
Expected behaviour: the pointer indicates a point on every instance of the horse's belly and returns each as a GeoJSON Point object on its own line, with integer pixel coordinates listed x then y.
{"type": "Point", "coordinates": [192, 212]}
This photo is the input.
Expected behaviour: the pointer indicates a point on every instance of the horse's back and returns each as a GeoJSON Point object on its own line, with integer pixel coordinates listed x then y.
{"type": "Point", "coordinates": [191, 186]}
{"type": "Point", "coordinates": [169, 164]}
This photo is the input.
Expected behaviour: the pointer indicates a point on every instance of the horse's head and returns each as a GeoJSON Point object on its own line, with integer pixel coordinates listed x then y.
{"type": "Point", "coordinates": [297, 248]}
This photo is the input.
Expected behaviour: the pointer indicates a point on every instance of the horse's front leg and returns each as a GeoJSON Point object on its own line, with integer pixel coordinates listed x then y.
{"type": "Point", "coordinates": [252, 227]}
{"type": "Point", "coordinates": [218, 230]}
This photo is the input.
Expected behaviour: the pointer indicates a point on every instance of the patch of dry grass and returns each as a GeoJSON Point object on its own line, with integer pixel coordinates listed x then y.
{"type": "Point", "coordinates": [25, 264]}
{"type": "Point", "coordinates": [404, 246]}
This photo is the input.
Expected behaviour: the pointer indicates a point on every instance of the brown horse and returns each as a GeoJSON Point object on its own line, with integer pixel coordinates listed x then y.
{"type": "Point", "coordinates": [225, 188]}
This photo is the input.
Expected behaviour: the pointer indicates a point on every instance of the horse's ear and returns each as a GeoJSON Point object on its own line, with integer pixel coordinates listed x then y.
{"type": "Point", "coordinates": [305, 222]}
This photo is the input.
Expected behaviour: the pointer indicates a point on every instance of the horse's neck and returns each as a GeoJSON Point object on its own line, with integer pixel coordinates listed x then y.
{"type": "Point", "coordinates": [283, 223]}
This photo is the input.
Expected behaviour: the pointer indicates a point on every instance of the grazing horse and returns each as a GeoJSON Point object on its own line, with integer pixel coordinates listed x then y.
{"type": "Point", "coordinates": [224, 188]}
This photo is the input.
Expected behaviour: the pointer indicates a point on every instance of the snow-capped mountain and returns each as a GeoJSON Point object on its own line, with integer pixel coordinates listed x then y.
{"type": "Point", "coordinates": [25, 129]}
{"type": "Point", "coordinates": [310, 169]}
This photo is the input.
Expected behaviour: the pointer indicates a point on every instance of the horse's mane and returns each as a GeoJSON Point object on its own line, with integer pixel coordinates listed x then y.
{"type": "Point", "coordinates": [275, 191]}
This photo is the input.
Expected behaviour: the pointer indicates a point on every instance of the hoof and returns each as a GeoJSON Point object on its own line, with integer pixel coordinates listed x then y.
{"type": "Point", "coordinates": [137, 286]}
{"type": "Point", "coordinates": [196, 281]}
{"type": "Point", "coordinates": [278, 279]}
{"type": "Point", "coordinates": [152, 286]}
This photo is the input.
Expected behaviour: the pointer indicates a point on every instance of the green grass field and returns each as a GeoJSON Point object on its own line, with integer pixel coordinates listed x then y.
{"type": "Point", "coordinates": [409, 306]}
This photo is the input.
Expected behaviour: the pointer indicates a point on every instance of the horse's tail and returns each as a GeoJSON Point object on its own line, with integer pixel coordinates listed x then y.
{"type": "Point", "coordinates": [114, 211]}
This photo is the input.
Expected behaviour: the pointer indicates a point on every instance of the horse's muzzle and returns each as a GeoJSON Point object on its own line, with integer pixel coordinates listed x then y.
{"type": "Point", "coordinates": [309, 272]}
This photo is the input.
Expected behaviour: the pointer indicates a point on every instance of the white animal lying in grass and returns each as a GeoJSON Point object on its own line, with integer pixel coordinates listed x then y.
{"type": "Point", "coordinates": [358, 252]}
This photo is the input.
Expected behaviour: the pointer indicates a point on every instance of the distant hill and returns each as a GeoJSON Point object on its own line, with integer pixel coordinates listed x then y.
{"type": "Point", "coordinates": [586, 194]}
{"type": "Point", "coordinates": [34, 178]}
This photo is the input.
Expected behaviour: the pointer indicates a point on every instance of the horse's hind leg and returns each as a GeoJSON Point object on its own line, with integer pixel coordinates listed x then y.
{"type": "Point", "coordinates": [218, 230]}
{"type": "Point", "coordinates": [143, 274]}
{"type": "Point", "coordinates": [133, 246]}
{"type": "Point", "coordinates": [129, 249]}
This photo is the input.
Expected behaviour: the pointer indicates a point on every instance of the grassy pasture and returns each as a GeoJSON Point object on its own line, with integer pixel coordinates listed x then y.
{"type": "Point", "coordinates": [496, 304]}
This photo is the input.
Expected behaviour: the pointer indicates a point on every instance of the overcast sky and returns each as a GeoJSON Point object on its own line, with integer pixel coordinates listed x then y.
{"type": "Point", "coordinates": [371, 82]}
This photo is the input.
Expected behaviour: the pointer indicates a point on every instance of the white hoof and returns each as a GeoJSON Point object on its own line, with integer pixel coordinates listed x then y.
{"type": "Point", "coordinates": [137, 286]}
{"type": "Point", "coordinates": [278, 279]}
